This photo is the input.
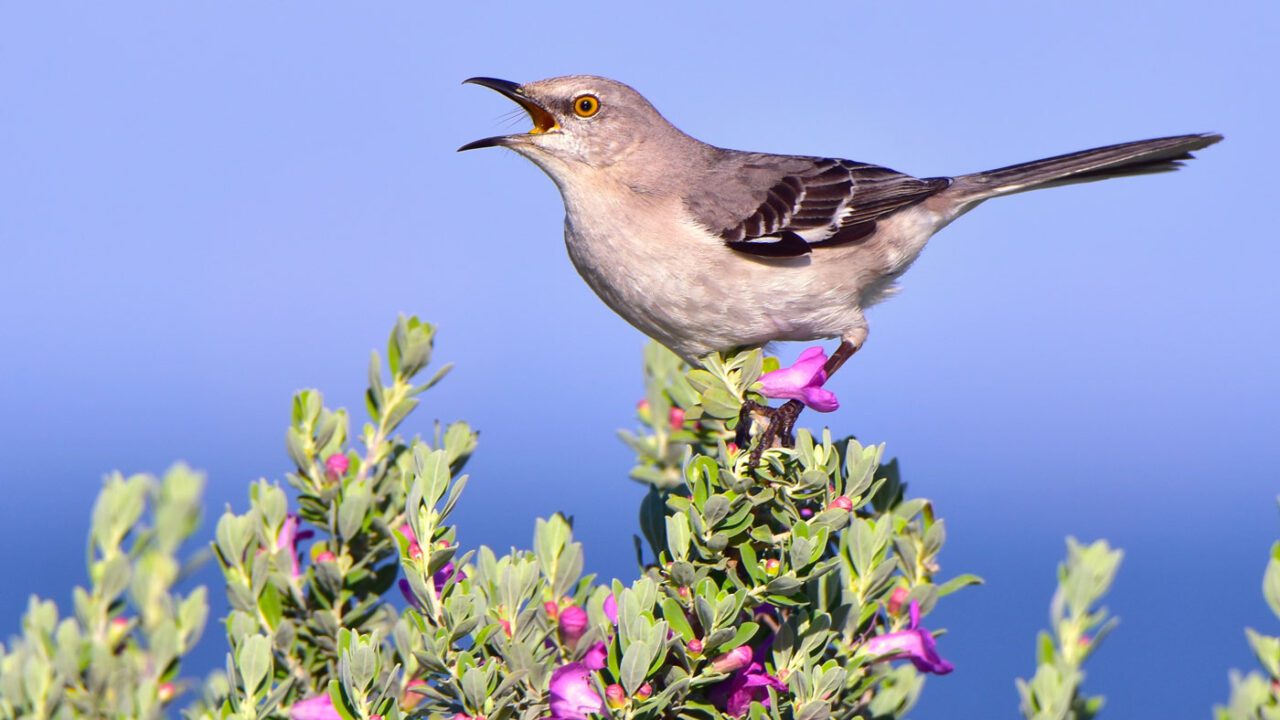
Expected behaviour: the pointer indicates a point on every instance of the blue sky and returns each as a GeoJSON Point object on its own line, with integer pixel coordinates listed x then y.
{"type": "Point", "coordinates": [204, 208]}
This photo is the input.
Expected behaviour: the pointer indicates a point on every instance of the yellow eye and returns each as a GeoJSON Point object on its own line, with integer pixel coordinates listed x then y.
{"type": "Point", "coordinates": [586, 105]}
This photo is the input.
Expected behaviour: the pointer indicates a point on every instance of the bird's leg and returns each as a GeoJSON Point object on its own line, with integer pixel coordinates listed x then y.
{"type": "Point", "coordinates": [779, 423]}
{"type": "Point", "coordinates": [838, 358]}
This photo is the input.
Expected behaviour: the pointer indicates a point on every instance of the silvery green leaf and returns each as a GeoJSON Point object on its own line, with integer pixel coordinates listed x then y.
{"type": "Point", "coordinates": [254, 662]}
{"type": "Point", "coordinates": [353, 508]}
{"type": "Point", "coordinates": [814, 710]}
{"type": "Point", "coordinates": [475, 688]}
{"type": "Point", "coordinates": [431, 471]}
{"type": "Point", "coordinates": [1271, 584]}
{"type": "Point", "coordinates": [163, 644]}
{"type": "Point", "coordinates": [1267, 650]}
{"type": "Point", "coordinates": [678, 536]}
{"type": "Point", "coordinates": [115, 574]}
{"type": "Point", "coordinates": [720, 404]}
{"type": "Point", "coordinates": [934, 538]}
{"type": "Point", "coordinates": [635, 666]}
{"type": "Point", "coordinates": [783, 585]}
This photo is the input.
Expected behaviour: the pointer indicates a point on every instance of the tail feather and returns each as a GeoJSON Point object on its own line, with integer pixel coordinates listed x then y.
{"type": "Point", "coordinates": [1133, 158]}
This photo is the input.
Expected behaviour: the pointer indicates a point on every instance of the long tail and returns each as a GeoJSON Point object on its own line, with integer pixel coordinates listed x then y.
{"type": "Point", "coordinates": [1132, 158]}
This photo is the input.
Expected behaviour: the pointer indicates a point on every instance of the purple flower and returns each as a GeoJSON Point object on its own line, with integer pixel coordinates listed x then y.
{"type": "Point", "coordinates": [571, 693]}
{"type": "Point", "coordinates": [288, 538]}
{"type": "Point", "coordinates": [747, 684]}
{"type": "Point", "coordinates": [573, 623]}
{"type": "Point", "coordinates": [802, 381]}
{"type": "Point", "coordinates": [445, 574]}
{"type": "Point", "coordinates": [319, 707]}
{"type": "Point", "coordinates": [611, 608]}
{"type": "Point", "coordinates": [407, 591]}
{"type": "Point", "coordinates": [595, 656]}
{"type": "Point", "coordinates": [915, 644]}
{"type": "Point", "coordinates": [442, 576]}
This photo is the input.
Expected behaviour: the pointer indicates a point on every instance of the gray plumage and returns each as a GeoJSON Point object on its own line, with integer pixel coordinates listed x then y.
{"type": "Point", "coordinates": [708, 249]}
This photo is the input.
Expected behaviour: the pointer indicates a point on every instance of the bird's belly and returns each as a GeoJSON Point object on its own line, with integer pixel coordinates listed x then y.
{"type": "Point", "coordinates": [680, 286]}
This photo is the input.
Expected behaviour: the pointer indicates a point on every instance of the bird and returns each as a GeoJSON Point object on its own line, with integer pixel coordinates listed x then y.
{"type": "Point", "coordinates": [707, 249]}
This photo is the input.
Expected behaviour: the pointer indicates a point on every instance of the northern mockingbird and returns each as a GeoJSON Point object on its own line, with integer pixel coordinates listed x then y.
{"type": "Point", "coordinates": [706, 249]}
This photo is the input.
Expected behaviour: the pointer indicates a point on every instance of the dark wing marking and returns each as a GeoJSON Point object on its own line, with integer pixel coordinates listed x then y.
{"type": "Point", "coordinates": [830, 203]}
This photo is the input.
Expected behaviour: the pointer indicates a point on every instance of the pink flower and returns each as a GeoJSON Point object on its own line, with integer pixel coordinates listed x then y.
{"type": "Point", "coordinates": [915, 644]}
{"type": "Point", "coordinates": [571, 695]}
{"type": "Point", "coordinates": [675, 417]}
{"type": "Point", "coordinates": [414, 550]}
{"type": "Point", "coordinates": [841, 502]}
{"type": "Point", "coordinates": [611, 608]}
{"type": "Point", "coordinates": [336, 466]}
{"type": "Point", "coordinates": [326, 556]}
{"type": "Point", "coordinates": [802, 381]}
{"type": "Point", "coordinates": [287, 539]}
{"type": "Point", "coordinates": [319, 707]}
{"type": "Point", "coordinates": [746, 685]}
{"type": "Point", "coordinates": [734, 660]}
{"type": "Point", "coordinates": [573, 623]}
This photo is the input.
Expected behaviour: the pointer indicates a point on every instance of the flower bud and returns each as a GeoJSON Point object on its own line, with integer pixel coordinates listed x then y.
{"type": "Point", "coordinates": [615, 696]}
{"type": "Point", "coordinates": [806, 513]}
{"type": "Point", "coordinates": [644, 691]}
{"type": "Point", "coordinates": [897, 599]}
{"type": "Point", "coordinates": [732, 447]}
{"type": "Point", "coordinates": [117, 632]}
{"type": "Point", "coordinates": [326, 556]}
{"type": "Point", "coordinates": [642, 409]}
{"type": "Point", "coordinates": [415, 550]}
{"type": "Point", "coordinates": [734, 660]}
{"type": "Point", "coordinates": [552, 609]}
{"type": "Point", "coordinates": [841, 503]}
{"type": "Point", "coordinates": [412, 696]}
{"type": "Point", "coordinates": [336, 466]}
{"type": "Point", "coordinates": [694, 647]}
{"type": "Point", "coordinates": [675, 418]}
{"type": "Point", "coordinates": [573, 623]}
{"type": "Point", "coordinates": [771, 566]}
{"type": "Point", "coordinates": [165, 692]}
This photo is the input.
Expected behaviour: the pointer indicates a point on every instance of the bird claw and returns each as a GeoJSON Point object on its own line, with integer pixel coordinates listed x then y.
{"type": "Point", "coordinates": [779, 425]}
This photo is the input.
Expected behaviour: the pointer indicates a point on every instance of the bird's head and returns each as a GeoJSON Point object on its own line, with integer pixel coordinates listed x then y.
{"type": "Point", "coordinates": [578, 120]}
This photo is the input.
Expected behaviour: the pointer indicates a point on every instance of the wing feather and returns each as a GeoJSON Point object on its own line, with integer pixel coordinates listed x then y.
{"type": "Point", "coordinates": [832, 202]}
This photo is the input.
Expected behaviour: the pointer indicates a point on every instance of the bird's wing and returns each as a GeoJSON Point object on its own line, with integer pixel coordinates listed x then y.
{"type": "Point", "coordinates": [782, 206]}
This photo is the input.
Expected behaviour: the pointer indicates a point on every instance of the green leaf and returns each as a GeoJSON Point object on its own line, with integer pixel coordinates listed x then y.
{"type": "Point", "coordinates": [269, 604]}
{"type": "Point", "coordinates": [745, 632]}
{"type": "Point", "coordinates": [673, 613]}
{"type": "Point", "coordinates": [958, 582]}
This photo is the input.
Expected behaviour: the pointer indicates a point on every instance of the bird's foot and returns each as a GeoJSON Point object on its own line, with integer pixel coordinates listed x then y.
{"type": "Point", "coordinates": [778, 425]}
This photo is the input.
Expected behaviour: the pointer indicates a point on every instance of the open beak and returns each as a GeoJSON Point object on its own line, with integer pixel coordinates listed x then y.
{"type": "Point", "coordinates": [543, 121]}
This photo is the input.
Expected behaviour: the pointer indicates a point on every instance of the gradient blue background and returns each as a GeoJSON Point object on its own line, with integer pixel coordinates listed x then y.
{"type": "Point", "coordinates": [204, 208]}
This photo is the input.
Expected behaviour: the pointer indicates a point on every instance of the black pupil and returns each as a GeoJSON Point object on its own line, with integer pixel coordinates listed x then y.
{"type": "Point", "coordinates": [585, 104]}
